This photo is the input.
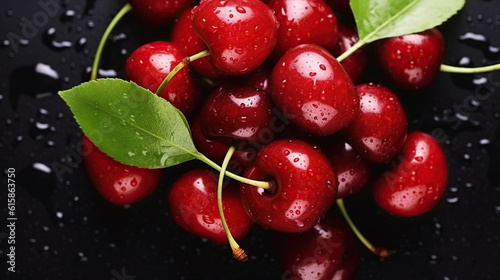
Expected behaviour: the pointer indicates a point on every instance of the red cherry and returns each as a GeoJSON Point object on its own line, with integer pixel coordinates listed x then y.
{"type": "Point", "coordinates": [303, 22]}
{"type": "Point", "coordinates": [118, 183]}
{"type": "Point", "coordinates": [341, 6]}
{"type": "Point", "coordinates": [418, 183]}
{"type": "Point", "coordinates": [159, 12]}
{"type": "Point", "coordinates": [328, 251]}
{"type": "Point", "coordinates": [379, 130]}
{"type": "Point", "coordinates": [355, 65]}
{"type": "Point", "coordinates": [411, 61]}
{"type": "Point", "coordinates": [237, 112]}
{"type": "Point", "coordinates": [240, 34]}
{"type": "Point", "coordinates": [353, 171]}
{"type": "Point", "coordinates": [311, 87]}
{"type": "Point", "coordinates": [305, 186]}
{"type": "Point", "coordinates": [216, 149]}
{"type": "Point", "coordinates": [183, 35]}
{"type": "Point", "coordinates": [150, 64]}
{"type": "Point", "coordinates": [193, 206]}
{"type": "Point", "coordinates": [259, 78]}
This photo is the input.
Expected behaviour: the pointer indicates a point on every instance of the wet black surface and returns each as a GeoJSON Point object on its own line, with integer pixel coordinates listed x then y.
{"type": "Point", "coordinates": [65, 230]}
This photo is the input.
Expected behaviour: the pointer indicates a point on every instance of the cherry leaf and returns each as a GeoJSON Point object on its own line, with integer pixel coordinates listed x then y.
{"type": "Point", "coordinates": [378, 19]}
{"type": "Point", "coordinates": [131, 124]}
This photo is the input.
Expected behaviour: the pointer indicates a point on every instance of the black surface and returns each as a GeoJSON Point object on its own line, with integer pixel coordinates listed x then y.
{"type": "Point", "coordinates": [66, 231]}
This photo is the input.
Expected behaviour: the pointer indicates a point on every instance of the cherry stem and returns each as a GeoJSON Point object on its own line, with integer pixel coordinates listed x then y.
{"type": "Point", "coordinates": [104, 38]}
{"type": "Point", "coordinates": [185, 61]}
{"type": "Point", "coordinates": [261, 184]}
{"type": "Point", "coordinates": [238, 253]}
{"type": "Point", "coordinates": [351, 50]}
{"type": "Point", "coordinates": [379, 251]}
{"type": "Point", "coordinates": [469, 70]}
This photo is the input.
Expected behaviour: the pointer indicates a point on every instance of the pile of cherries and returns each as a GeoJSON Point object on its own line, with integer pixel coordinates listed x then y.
{"type": "Point", "coordinates": [272, 87]}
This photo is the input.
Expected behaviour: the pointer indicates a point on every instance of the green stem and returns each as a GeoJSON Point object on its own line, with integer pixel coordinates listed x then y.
{"type": "Point", "coordinates": [105, 36]}
{"type": "Point", "coordinates": [238, 253]}
{"type": "Point", "coordinates": [179, 66]}
{"type": "Point", "coordinates": [260, 184]}
{"type": "Point", "coordinates": [351, 50]}
{"type": "Point", "coordinates": [382, 252]}
{"type": "Point", "coordinates": [469, 70]}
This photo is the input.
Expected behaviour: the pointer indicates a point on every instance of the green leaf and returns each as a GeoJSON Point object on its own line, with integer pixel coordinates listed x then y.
{"type": "Point", "coordinates": [131, 124]}
{"type": "Point", "coordinates": [377, 19]}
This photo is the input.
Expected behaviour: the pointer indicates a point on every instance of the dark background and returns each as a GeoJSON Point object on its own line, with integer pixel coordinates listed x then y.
{"type": "Point", "coordinates": [65, 230]}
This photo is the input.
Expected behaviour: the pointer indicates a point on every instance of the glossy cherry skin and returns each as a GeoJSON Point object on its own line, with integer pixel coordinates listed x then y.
{"type": "Point", "coordinates": [192, 203]}
{"type": "Point", "coordinates": [302, 22]}
{"type": "Point", "coordinates": [216, 149]}
{"type": "Point", "coordinates": [150, 64]}
{"type": "Point", "coordinates": [237, 112]}
{"type": "Point", "coordinates": [159, 12]}
{"type": "Point", "coordinates": [418, 182]}
{"type": "Point", "coordinates": [305, 186]}
{"type": "Point", "coordinates": [240, 34]}
{"type": "Point", "coordinates": [355, 64]}
{"type": "Point", "coordinates": [379, 130]}
{"type": "Point", "coordinates": [311, 87]}
{"type": "Point", "coordinates": [183, 35]}
{"type": "Point", "coordinates": [411, 61]}
{"type": "Point", "coordinates": [353, 171]}
{"type": "Point", "coordinates": [329, 250]}
{"type": "Point", "coordinates": [118, 183]}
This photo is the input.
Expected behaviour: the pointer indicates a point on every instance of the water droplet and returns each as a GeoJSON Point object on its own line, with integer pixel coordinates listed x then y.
{"type": "Point", "coordinates": [240, 9]}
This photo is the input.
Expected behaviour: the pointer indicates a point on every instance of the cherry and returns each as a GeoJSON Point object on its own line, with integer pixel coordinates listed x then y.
{"type": "Point", "coordinates": [240, 34]}
{"type": "Point", "coordinates": [379, 130]}
{"type": "Point", "coordinates": [259, 78]}
{"type": "Point", "coordinates": [411, 61]}
{"type": "Point", "coordinates": [329, 250]}
{"type": "Point", "coordinates": [304, 21]}
{"type": "Point", "coordinates": [150, 64]}
{"type": "Point", "coordinates": [311, 87]}
{"type": "Point", "coordinates": [216, 149]}
{"type": "Point", "coordinates": [193, 206]}
{"type": "Point", "coordinates": [353, 171]}
{"type": "Point", "coordinates": [418, 183]}
{"type": "Point", "coordinates": [159, 12]}
{"type": "Point", "coordinates": [118, 183]}
{"type": "Point", "coordinates": [355, 64]}
{"type": "Point", "coordinates": [304, 186]}
{"type": "Point", "coordinates": [341, 6]}
{"type": "Point", "coordinates": [183, 35]}
{"type": "Point", "coordinates": [237, 112]}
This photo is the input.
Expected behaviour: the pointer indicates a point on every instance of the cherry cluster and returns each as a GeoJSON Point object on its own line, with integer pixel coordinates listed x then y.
{"type": "Point", "coordinates": [263, 79]}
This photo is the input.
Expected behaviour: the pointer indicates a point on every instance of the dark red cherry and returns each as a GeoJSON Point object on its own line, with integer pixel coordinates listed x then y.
{"type": "Point", "coordinates": [311, 87]}
{"type": "Point", "coordinates": [237, 112]}
{"type": "Point", "coordinates": [192, 203]}
{"type": "Point", "coordinates": [216, 149]}
{"type": "Point", "coordinates": [418, 182]}
{"type": "Point", "coordinates": [379, 130]}
{"type": "Point", "coordinates": [341, 6]}
{"type": "Point", "coordinates": [259, 78]}
{"type": "Point", "coordinates": [183, 35]}
{"type": "Point", "coordinates": [302, 22]}
{"type": "Point", "coordinates": [329, 250]}
{"type": "Point", "coordinates": [160, 12]}
{"type": "Point", "coordinates": [118, 183]}
{"type": "Point", "coordinates": [353, 171]}
{"type": "Point", "coordinates": [150, 64]}
{"type": "Point", "coordinates": [304, 186]}
{"type": "Point", "coordinates": [355, 64]}
{"type": "Point", "coordinates": [240, 34]}
{"type": "Point", "coordinates": [411, 61]}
